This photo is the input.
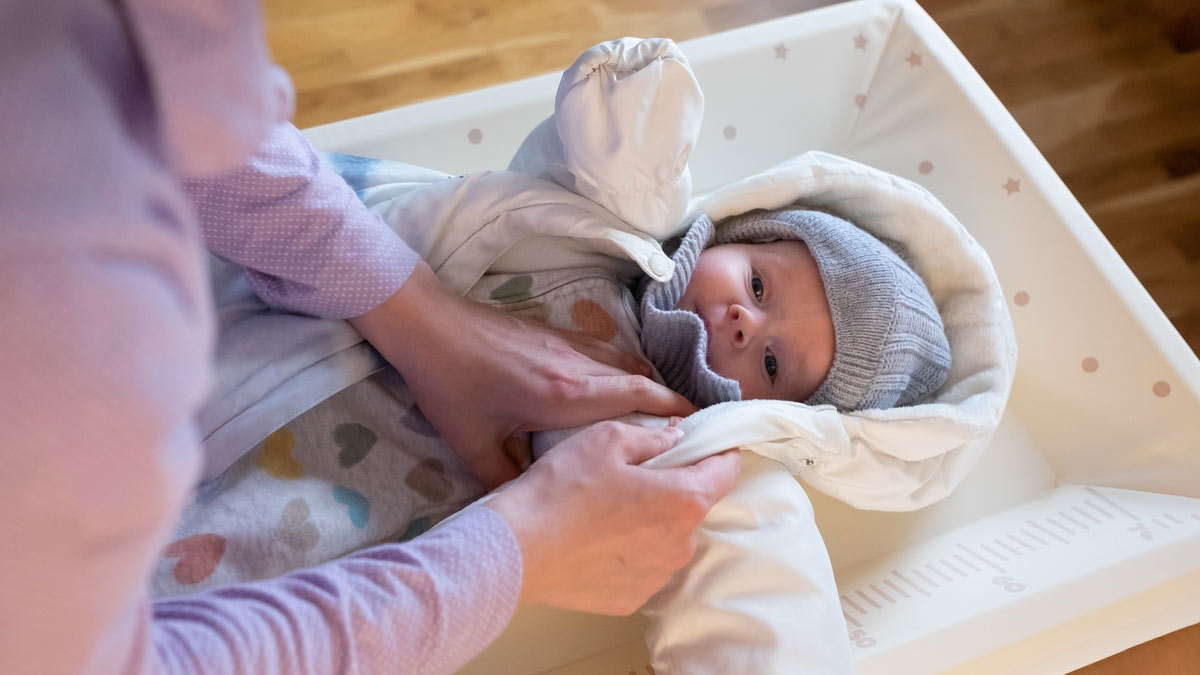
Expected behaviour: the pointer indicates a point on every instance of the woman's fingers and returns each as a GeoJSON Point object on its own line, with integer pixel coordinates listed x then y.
{"type": "Point", "coordinates": [479, 375]}
{"type": "Point", "coordinates": [623, 394]}
{"type": "Point", "coordinates": [490, 464]}
{"type": "Point", "coordinates": [614, 533]}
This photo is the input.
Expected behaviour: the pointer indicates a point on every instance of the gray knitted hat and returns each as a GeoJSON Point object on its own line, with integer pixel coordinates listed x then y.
{"type": "Point", "coordinates": [890, 345]}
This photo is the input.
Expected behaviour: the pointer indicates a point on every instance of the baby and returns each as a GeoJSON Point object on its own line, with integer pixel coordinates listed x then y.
{"type": "Point", "coordinates": [792, 304]}
{"type": "Point", "coordinates": [796, 305]}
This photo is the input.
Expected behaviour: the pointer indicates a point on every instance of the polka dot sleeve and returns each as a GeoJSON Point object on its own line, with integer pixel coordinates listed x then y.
{"type": "Point", "coordinates": [308, 243]}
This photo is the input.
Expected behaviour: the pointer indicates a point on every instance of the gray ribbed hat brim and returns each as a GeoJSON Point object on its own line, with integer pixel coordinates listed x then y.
{"type": "Point", "coordinates": [674, 340]}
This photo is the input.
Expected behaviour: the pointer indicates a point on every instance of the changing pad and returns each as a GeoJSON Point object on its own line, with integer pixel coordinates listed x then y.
{"type": "Point", "coordinates": [1077, 533]}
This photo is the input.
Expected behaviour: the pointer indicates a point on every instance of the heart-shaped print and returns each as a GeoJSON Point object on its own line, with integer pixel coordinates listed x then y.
{"type": "Point", "coordinates": [198, 556]}
{"type": "Point", "coordinates": [294, 528]}
{"type": "Point", "coordinates": [276, 456]}
{"type": "Point", "coordinates": [428, 478]}
{"type": "Point", "coordinates": [593, 320]}
{"type": "Point", "coordinates": [358, 506]}
{"type": "Point", "coordinates": [355, 440]}
{"type": "Point", "coordinates": [416, 528]}
{"type": "Point", "coordinates": [415, 421]}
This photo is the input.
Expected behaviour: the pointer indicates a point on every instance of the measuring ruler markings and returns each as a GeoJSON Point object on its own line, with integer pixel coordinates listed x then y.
{"type": "Point", "coordinates": [981, 559]}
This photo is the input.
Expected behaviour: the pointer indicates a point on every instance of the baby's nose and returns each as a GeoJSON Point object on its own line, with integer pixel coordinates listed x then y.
{"type": "Point", "coordinates": [744, 323]}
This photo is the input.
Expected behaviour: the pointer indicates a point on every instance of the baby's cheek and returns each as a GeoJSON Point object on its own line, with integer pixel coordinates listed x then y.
{"type": "Point", "coordinates": [814, 378]}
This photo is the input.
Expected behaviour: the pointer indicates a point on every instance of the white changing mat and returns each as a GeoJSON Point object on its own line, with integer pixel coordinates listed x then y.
{"type": "Point", "coordinates": [1078, 533]}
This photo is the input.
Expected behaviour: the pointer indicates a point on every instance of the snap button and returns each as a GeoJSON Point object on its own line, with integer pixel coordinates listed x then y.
{"type": "Point", "coordinates": [660, 264]}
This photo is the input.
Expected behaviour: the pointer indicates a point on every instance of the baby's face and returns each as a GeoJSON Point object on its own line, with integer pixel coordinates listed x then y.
{"type": "Point", "coordinates": [768, 322]}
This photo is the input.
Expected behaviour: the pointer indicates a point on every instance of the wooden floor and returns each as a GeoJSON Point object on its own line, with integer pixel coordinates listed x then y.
{"type": "Point", "coordinates": [1109, 91]}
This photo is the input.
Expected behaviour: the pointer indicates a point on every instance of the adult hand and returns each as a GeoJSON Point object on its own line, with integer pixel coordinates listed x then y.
{"type": "Point", "coordinates": [480, 375]}
{"type": "Point", "coordinates": [599, 533]}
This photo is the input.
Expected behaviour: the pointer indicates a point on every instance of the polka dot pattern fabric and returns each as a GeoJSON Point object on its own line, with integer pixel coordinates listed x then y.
{"type": "Point", "coordinates": [309, 244]}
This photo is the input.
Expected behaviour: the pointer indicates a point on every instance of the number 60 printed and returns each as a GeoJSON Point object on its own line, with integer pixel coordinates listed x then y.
{"type": "Point", "coordinates": [861, 639]}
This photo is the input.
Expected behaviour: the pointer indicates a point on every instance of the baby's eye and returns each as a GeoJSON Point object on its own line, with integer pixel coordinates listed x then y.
{"type": "Point", "coordinates": [770, 364]}
{"type": "Point", "coordinates": [756, 285]}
